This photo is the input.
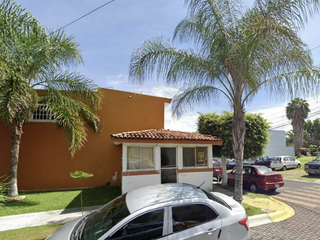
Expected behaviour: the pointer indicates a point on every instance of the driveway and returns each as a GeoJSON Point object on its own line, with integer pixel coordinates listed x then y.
{"type": "Point", "coordinates": [305, 199]}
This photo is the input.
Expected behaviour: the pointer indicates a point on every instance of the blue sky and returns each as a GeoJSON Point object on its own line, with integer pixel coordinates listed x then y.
{"type": "Point", "coordinates": [109, 36]}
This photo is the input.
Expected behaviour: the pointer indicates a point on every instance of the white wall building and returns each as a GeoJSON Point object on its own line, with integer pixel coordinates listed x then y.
{"type": "Point", "coordinates": [277, 144]}
{"type": "Point", "coordinates": [164, 156]}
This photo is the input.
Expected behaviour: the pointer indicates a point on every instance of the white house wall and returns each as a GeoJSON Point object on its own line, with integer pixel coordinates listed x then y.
{"type": "Point", "coordinates": [277, 144]}
{"type": "Point", "coordinates": [196, 176]}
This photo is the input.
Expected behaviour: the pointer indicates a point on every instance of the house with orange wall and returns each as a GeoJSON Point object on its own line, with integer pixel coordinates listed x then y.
{"type": "Point", "coordinates": [132, 149]}
{"type": "Point", "coordinates": [45, 162]}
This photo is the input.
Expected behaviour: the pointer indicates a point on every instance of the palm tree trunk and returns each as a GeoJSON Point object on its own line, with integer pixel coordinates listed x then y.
{"type": "Point", "coordinates": [15, 146]}
{"type": "Point", "coordinates": [224, 171]}
{"type": "Point", "coordinates": [238, 148]}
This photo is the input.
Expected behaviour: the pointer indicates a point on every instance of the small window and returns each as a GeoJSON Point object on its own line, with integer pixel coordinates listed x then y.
{"type": "Point", "coordinates": [195, 157]}
{"type": "Point", "coordinates": [188, 216]}
{"type": "Point", "coordinates": [42, 114]}
{"type": "Point", "coordinates": [140, 158]}
{"type": "Point", "coordinates": [147, 226]}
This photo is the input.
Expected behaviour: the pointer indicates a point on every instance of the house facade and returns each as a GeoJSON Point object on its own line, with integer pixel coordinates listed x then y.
{"type": "Point", "coordinates": [45, 161]}
{"type": "Point", "coordinates": [122, 153]}
{"type": "Point", "coordinates": [164, 156]}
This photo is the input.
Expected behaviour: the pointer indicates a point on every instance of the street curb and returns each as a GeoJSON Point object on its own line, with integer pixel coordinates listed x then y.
{"type": "Point", "coordinates": [276, 211]}
{"type": "Point", "coordinates": [280, 215]}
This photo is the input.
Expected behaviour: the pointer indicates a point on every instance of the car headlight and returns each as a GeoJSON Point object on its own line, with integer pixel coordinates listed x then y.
{"type": "Point", "coordinates": [306, 166]}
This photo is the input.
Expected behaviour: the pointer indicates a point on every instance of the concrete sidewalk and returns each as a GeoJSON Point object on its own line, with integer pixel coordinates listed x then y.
{"type": "Point", "coordinates": [275, 211]}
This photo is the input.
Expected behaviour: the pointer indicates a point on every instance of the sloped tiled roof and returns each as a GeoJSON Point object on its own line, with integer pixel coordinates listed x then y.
{"type": "Point", "coordinates": [166, 135]}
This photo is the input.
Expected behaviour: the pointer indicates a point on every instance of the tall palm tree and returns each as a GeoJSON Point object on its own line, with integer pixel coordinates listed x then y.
{"type": "Point", "coordinates": [233, 54]}
{"type": "Point", "coordinates": [31, 59]}
{"type": "Point", "coordinates": [297, 111]}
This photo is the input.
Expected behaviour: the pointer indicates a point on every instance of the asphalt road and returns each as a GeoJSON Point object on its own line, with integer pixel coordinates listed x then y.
{"type": "Point", "coordinates": [304, 198]}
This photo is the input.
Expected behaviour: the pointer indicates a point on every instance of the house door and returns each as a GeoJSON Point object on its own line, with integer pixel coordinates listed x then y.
{"type": "Point", "coordinates": [168, 165]}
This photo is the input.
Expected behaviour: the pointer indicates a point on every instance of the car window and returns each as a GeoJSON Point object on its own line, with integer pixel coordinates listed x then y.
{"type": "Point", "coordinates": [247, 171]}
{"type": "Point", "coordinates": [263, 170]}
{"type": "Point", "coordinates": [188, 216]}
{"type": "Point", "coordinates": [105, 218]}
{"type": "Point", "coordinates": [146, 226]}
{"type": "Point", "coordinates": [292, 159]}
{"type": "Point", "coordinates": [216, 199]}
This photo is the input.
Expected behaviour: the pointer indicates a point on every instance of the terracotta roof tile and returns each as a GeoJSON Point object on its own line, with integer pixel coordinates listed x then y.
{"type": "Point", "coordinates": [163, 134]}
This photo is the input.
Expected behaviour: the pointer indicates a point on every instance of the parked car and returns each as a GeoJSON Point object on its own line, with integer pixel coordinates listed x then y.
{"type": "Point", "coordinates": [163, 211]}
{"type": "Point", "coordinates": [284, 163]}
{"type": "Point", "coordinates": [265, 161]}
{"type": "Point", "coordinates": [217, 170]}
{"type": "Point", "coordinates": [257, 177]}
{"type": "Point", "coordinates": [313, 168]}
{"type": "Point", "coordinates": [231, 163]}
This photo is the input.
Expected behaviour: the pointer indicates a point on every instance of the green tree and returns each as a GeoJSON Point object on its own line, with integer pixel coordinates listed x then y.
{"type": "Point", "coordinates": [256, 137]}
{"type": "Point", "coordinates": [313, 128]}
{"type": "Point", "coordinates": [233, 54]}
{"type": "Point", "coordinates": [297, 111]}
{"type": "Point", "coordinates": [32, 58]}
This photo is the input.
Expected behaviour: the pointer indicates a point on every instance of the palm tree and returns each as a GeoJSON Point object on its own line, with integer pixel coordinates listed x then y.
{"type": "Point", "coordinates": [233, 54]}
{"type": "Point", "coordinates": [32, 59]}
{"type": "Point", "coordinates": [297, 111]}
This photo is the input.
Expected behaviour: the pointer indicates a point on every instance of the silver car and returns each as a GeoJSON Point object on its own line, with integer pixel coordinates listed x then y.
{"type": "Point", "coordinates": [284, 163]}
{"type": "Point", "coordinates": [164, 211]}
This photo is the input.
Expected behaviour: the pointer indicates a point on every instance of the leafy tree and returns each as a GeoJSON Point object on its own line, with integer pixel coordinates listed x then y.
{"type": "Point", "coordinates": [297, 110]}
{"type": "Point", "coordinates": [234, 55]}
{"type": "Point", "coordinates": [313, 129]}
{"type": "Point", "coordinates": [256, 137]}
{"type": "Point", "coordinates": [32, 58]}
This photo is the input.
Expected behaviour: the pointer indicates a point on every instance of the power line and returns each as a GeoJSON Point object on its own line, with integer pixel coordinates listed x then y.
{"type": "Point", "coordinates": [83, 16]}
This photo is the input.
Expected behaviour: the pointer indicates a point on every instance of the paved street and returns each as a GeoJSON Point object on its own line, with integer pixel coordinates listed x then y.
{"type": "Point", "coordinates": [305, 199]}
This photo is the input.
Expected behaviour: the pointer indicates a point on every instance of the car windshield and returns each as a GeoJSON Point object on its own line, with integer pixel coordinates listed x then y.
{"type": "Point", "coordinates": [216, 163]}
{"type": "Point", "coordinates": [263, 170]}
{"type": "Point", "coordinates": [105, 218]}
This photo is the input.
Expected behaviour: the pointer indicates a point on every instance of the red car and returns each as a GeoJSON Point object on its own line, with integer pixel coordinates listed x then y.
{"type": "Point", "coordinates": [258, 178]}
{"type": "Point", "coordinates": [217, 170]}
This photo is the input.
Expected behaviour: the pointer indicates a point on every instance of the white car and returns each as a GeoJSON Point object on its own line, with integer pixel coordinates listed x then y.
{"type": "Point", "coordinates": [163, 211]}
{"type": "Point", "coordinates": [284, 163]}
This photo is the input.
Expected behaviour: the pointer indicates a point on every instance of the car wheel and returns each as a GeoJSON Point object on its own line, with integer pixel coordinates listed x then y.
{"type": "Point", "coordinates": [299, 165]}
{"type": "Point", "coordinates": [273, 169]}
{"type": "Point", "coordinates": [284, 168]}
{"type": "Point", "coordinates": [253, 187]}
{"type": "Point", "coordinates": [310, 174]}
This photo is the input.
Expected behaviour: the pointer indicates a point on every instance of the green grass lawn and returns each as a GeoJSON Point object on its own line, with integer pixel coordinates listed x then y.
{"type": "Point", "coordinates": [32, 233]}
{"type": "Point", "coordinates": [299, 173]}
{"type": "Point", "coordinates": [56, 200]}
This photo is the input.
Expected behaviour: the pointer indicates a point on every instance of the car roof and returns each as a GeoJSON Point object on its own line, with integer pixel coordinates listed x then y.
{"type": "Point", "coordinates": [162, 193]}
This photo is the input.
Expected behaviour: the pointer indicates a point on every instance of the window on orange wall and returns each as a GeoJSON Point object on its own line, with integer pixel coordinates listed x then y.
{"type": "Point", "coordinates": [195, 156]}
{"type": "Point", "coordinates": [140, 158]}
{"type": "Point", "coordinates": [42, 114]}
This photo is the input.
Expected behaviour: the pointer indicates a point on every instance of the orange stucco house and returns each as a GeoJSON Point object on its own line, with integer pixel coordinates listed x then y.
{"type": "Point", "coordinates": [132, 149]}
{"type": "Point", "coordinates": [45, 162]}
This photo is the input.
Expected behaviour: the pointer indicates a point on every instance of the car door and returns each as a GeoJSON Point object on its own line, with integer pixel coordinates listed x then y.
{"type": "Point", "coordinates": [246, 176]}
{"type": "Point", "coordinates": [195, 221]}
{"type": "Point", "coordinates": [146, 226]}
{"type": "Point", "coordinates": [292, 162]}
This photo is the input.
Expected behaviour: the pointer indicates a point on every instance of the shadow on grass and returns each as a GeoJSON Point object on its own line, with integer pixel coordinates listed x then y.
{"type": "Point", "coordinates": [95, 197]}
{"type": "Point", "coordinates": [311, 176]}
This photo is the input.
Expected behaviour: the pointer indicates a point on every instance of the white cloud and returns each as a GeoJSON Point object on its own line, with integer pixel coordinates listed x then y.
{"type": "Point", "coordinates": [187, 123]}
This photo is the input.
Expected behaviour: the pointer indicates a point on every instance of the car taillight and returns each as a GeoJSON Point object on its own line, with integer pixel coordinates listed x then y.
{"type": "Point", "coordinates": [264, 180]}
{"type": "Point", "coordinates": [280, 161]}
{"type": "Point", "coordinates": [245, 222]}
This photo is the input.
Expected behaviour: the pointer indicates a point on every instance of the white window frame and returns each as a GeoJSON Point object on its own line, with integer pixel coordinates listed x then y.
{"type": "Point", "coordinates": [46, 113]}
{"type": "Point", "coordinates": [140, 148]}
{"type": "Point", "coordinates": [195, 159]}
